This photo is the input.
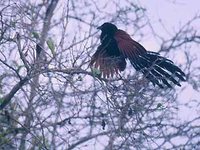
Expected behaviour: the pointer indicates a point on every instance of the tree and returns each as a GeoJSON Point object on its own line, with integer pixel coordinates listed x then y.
{"type": "Point", "coordinates": [51, 99]}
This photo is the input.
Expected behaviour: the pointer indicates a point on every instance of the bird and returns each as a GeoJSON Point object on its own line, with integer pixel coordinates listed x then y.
{"type": "Point", "coordinates": [117, 47]}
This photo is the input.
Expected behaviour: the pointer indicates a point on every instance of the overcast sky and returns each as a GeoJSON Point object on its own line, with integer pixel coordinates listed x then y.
{"type": "Point", "coordinates": [173, 14]}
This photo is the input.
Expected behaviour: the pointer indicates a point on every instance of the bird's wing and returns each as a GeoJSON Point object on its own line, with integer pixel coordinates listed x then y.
{"type": "Point", "coordinates": [128, 47]}
{"type": "Point", "coordinates": [108, 65]}
{"type": "Point", "coordinates": [156, 68]}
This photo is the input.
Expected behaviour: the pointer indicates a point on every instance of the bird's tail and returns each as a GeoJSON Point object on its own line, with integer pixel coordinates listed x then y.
{"type": "Point", "coordinates": [159, 70]}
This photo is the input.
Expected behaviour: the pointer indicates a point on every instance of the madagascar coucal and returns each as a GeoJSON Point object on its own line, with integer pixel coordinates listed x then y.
{"type": "Point", "coordinates": [117, 46]}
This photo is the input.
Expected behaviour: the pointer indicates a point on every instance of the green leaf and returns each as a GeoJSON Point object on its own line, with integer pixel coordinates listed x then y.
{"type": "Point", "coordinates": [13, 24]}
{"type": "Point", "coordinates": [35, 35]}
{"type": "Point", "coordinates": [1, 100]}
{"type": "Point", "coordinates": [19, 68]}
{"type": "Point", "coordinates": [51, 45]}
{"type": "Point", "coordinates": [96, 71]}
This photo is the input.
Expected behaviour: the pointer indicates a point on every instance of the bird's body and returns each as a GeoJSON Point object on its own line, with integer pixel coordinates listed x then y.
{"type": "Point", "coordinates": [117, 46]}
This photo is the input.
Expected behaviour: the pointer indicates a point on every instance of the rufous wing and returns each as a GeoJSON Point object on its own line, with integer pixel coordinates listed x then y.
{"type": "Point", "coordinates": [128, 47]}
{"type": "Point", "coordinates": [108, 65]}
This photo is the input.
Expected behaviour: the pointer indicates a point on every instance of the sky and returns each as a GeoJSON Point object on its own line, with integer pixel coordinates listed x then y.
{"type": "Point", "coordinates": [173, 14]}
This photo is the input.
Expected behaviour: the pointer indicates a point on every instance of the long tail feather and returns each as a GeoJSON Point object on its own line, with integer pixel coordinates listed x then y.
{"type": "Point", "coordinates": [159, 70]}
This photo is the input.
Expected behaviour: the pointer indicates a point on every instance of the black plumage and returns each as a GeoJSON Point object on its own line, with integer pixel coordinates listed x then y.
{"type": "Point", "coordinates": [117, 46]}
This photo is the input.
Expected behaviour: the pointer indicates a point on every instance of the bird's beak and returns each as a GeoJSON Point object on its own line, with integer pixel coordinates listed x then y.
{"type": "Point", "coordinates": [100, 27]}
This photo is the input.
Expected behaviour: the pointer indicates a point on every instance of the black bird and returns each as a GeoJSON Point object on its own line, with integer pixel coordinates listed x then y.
{"type": "Point", "coordinates": [117, 46]}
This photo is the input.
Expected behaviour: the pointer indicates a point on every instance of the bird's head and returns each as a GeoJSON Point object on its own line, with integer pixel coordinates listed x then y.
{"type": "Point", "coordinates": [108, 28]}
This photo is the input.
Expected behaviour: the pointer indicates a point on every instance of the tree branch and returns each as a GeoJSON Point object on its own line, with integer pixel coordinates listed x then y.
{"type": "Point", "coordinates": [6, 99]}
